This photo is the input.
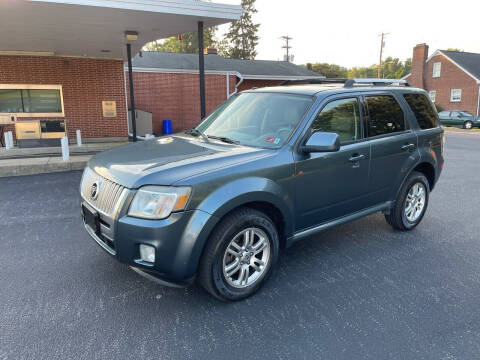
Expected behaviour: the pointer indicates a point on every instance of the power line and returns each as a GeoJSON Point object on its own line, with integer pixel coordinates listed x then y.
{"type": "Point", "coordinates": [287, 46]}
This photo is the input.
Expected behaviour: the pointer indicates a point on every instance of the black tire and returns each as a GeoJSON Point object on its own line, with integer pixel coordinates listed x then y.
{"type": "Point", "coordinates": [397, 217]}
{"type": "Point", "coordinates": [468, 125]}
{"type": "Point", "coordinates": [211, 275]}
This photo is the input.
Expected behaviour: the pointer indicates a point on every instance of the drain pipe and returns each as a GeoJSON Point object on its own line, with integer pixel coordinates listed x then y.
{"type": "Point", "coordinates": [237, 74]}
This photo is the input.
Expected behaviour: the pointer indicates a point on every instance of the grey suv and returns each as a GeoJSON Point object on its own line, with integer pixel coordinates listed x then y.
{"type": "Point", "coordinates": [267, 168]}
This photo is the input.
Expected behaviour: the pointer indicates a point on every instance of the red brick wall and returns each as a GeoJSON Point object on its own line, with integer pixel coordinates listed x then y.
{"type": "Point", "coordinates": [177, 97]}
{"type": "Point", "coordinates": [85, 84]}
{"type": "Point", "coordinates": [451, 77]}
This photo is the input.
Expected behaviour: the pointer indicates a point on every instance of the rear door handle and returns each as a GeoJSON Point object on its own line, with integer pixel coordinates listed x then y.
{"type": "Point", "coordinates": [408, 147]}
{"type": "Point", "coordinates": [356, 157]}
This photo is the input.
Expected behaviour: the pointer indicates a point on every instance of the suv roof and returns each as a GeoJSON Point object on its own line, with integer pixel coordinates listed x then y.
{"type": "Point", "coordinates": [315, 86]}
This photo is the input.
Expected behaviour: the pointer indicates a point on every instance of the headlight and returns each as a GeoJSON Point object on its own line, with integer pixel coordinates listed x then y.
{"type": "Point", "coordinates": [158, 202]}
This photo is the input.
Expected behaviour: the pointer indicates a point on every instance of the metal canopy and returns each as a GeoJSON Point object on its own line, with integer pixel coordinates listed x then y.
{"type": "Point", "coordinates": [95, 28]}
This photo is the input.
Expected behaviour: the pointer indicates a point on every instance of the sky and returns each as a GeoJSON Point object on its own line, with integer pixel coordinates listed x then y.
{"type": "Point", "coordinates": [346, 32]}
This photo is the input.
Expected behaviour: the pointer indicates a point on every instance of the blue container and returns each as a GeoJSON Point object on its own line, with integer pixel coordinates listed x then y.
{"type": "Point", "coordinates": [167, 127]}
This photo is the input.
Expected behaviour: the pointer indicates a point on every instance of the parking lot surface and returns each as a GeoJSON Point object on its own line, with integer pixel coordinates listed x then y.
{"type": "Point", "coordinates": [358, 291]}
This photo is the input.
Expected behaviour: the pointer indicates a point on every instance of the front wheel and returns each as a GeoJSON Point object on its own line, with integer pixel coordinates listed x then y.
{"type": "Point", "coordinates": [468, 125]}
{"type": "Point", "coordinates": [239, 255]}
{"type": "Point", "coordinates": [411, 203]}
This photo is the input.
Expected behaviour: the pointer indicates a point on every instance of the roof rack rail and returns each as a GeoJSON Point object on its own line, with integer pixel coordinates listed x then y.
{"type": "Point", "coordinates": [315, 81]}
{"type": "Point", "coordinates": [348, 83]}
{"type": "Point", "coordinates": [376, 82]}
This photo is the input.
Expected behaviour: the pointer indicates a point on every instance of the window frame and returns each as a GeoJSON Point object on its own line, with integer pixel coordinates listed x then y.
{"type": "Point", "coordinates": [34, 87]}
{"type": "Point", "coordinates": [451, 95]}
{"type": "Point", "coordinates": [439, 64]}
{"type": "Point", "coordinates": [336, 98]}
{"type": "Point", "coordinates": [434, 92]}
{"type": "Point", "coordinates": [406, 124]}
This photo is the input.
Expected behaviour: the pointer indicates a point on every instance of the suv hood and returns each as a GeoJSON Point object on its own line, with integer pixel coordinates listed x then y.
{"type": "Point", "coordinates": [166, 160]}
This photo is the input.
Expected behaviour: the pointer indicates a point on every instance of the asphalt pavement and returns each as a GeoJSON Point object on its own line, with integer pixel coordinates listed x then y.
{"type": "Point", "coordinates": [359, 291]}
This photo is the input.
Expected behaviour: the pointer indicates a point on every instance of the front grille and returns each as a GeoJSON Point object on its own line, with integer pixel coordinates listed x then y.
{"type": "Point", "coordinates": [108, 191]}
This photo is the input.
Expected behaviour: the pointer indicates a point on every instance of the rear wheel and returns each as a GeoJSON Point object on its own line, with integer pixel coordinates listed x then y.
{"type": "Point", "coordinates": [411, 203]}
{"type": "Point", "coordinates": [468, 125]}
{"type": "Point", "coordinates": [239, 255]}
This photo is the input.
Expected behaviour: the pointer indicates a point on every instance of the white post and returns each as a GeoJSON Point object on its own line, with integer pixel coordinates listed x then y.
{"type": "Point", "coordinates": [79, 138]}
{"type": "Point", "coordinates": [8, 140]}
{"type": "Point", "coordinates": [65, 150]}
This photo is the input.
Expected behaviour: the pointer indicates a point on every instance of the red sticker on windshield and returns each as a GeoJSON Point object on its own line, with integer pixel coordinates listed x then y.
{"type": "Point", "coordinates": [270, 139]}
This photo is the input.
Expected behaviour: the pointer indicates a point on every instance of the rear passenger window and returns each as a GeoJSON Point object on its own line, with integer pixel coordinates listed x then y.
{"type": "Point", "coordinates": [422, 109]}
{"type": "Point", "coordinates": [341, 117]}
{"type": "Point", "coordinates": [385, 115]}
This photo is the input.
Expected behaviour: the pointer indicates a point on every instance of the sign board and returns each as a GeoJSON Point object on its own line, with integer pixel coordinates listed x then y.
{"type": "Point", "coordinates": [109, 108]}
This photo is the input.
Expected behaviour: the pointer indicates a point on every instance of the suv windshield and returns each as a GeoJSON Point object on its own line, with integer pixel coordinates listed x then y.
{"type": "Point", "coordinates": [257, 119]}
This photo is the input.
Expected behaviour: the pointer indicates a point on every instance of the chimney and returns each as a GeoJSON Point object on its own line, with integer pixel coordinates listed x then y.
{"type": "Point", "coordinates": [419, 65]}
{"type": "Point", "coordinates": [210, 51]}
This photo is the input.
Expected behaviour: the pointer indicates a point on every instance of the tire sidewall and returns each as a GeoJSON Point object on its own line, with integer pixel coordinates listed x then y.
{"type": "Point", "coordinates": [414, 179]}
{"type": "Point", "coordinates": [251, 220]}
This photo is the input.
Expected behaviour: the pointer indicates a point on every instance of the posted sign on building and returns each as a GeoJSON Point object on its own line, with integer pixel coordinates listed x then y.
{"type": "Point", "coordinates": [109, 108]}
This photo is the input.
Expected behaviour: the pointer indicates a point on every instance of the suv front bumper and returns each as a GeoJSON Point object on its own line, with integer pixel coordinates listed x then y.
{"type": "Point", "coordinates": [178, 242]}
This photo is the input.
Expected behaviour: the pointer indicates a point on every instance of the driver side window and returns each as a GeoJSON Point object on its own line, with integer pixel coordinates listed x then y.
{"type": "Point", "coordinates": [341, 117]}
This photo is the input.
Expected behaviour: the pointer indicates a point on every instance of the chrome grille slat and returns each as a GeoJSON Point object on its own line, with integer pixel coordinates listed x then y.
{"type": "Point", "coordinates": [109, 191]}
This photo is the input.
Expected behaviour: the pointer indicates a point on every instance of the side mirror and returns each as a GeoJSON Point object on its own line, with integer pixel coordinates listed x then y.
{"type": "Point", "coordinates": [322, 142]}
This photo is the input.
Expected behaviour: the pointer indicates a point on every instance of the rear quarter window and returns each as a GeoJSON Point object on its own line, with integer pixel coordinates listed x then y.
{"type": "Point", "coordinates": [423, 110]}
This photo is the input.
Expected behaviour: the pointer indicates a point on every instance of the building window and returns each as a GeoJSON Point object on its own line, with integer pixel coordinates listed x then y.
{"type": "Point", "coordinates": [31, 100]}
{"type": "Point", "coordinates": [437, 69]}
{"type": "Point", "coordinates": [432, 94]}
{"type": "Point", "coordinates": [456, 95]}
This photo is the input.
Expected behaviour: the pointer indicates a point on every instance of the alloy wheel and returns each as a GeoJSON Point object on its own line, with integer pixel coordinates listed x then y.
{"type": "Point", "coordinates": [415, 202]}
{"type": "Point", "coordinates": [246, 258]}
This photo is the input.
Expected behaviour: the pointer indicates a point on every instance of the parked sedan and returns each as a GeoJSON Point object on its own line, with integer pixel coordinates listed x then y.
{"type": "Point", "coordinates": [459, 118]}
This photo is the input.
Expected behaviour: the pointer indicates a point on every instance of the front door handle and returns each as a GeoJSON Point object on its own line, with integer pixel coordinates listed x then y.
{"type": "Point", "coordinates": [356, 157]}
{"type": "Point", "coordinates": [408, 147]}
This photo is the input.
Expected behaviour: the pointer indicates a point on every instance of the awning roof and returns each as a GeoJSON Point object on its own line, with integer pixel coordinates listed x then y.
{"type": "Point", "coordinates": [95, 28]}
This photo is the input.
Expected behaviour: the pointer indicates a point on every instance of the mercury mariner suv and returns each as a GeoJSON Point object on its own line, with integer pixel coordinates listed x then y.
{"type": "Point", "coordinates": [267, 168]}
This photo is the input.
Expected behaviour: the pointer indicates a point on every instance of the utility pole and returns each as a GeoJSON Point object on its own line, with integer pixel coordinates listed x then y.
{"type": "Point", "coordinates": [382, 44]}
{"type": "Point", "coordinates": [287, 46]}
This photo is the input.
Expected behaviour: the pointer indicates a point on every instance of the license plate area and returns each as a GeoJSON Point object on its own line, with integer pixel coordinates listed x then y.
{"type": "Point", "coordinates": [92, 219]}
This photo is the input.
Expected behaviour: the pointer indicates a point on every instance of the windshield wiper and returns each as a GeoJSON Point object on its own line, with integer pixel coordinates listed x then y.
{"type": "Point", "coordinates": [224, 139]}
{"type": "Point", "coordinates": [195, 131]}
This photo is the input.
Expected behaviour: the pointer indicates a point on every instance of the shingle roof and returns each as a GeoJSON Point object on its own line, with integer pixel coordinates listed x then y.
{"type": "Point", "coordinates": [469, 61]}
{"type": "Point", "coordinates": [213, 62]}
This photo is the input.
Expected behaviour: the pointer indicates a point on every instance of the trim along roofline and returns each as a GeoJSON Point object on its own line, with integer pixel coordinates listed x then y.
{"type": "Point", "coordinates": [224, 72]}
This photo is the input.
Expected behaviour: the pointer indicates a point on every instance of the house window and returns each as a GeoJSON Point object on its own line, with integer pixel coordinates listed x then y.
{"type": "Point", "coordinates": [437, 69]}
{"type": "Point", "coordinates": [456, 95]}
{"type": "Point", "coordinates": [432, 94]}
{"type": "Point", "coordinates": [31, 100]}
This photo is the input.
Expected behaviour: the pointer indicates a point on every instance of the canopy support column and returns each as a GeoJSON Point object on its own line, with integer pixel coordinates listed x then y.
{"type": "Point", "coordinates": [201, 68]}
{"type": "Point", "coordinates": [132, 95]}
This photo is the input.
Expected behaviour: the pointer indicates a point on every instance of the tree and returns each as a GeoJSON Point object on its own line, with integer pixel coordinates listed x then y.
{"type": "Point", "coordinates": [392, 68]}
{"type": "Point", "coordinates": [241, 39]}
{"type": "Point", "coordinates": [455, 49]}
{"type": "Point", "coordinates": [328, 70]}
{"type": "Point", "coordinates": [188, 44]}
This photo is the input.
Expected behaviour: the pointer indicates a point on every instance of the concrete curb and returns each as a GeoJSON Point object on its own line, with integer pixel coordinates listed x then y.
{"type": "Point", "coordinates": [41, 165]}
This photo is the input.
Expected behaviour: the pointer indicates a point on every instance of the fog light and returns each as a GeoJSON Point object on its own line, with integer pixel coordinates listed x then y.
{"type": "Point", "coordinates": [147, 253]}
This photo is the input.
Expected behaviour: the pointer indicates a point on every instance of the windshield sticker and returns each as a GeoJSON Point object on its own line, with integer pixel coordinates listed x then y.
{"type": "Point", "coordinates": [272, 139]}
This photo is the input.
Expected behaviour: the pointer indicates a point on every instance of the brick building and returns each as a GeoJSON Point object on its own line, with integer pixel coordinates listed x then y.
{"type": "Point", "coordinates": [452, 78]}
{"type": "Point", "coordinates": [62, 62]}
{"type": "Point", "coordinates": [166, 83]}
